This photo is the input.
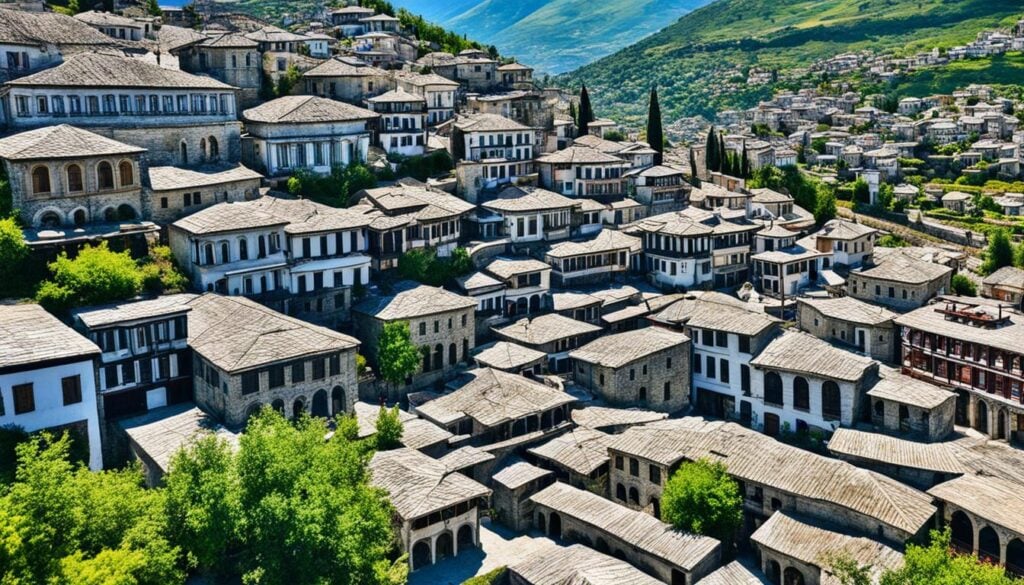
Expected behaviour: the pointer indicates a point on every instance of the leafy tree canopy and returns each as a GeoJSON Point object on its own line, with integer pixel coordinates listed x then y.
{"type": "Point", "coordinates": [97, 275]}
{"type": "Point", "coordinates": [963, 286]}
{"type": "Point", "coordinates": [397, 357]}
{"type": "Point", "coordinates": [389, 429]}
{"type": "Point", "coordinates": [700, 497]}
{"type": "Point", "coordinates": [999, 252]}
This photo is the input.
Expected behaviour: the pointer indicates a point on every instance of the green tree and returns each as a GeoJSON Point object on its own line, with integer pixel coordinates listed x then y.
{"type": "Point", "coordinates": [711, 154]}
{"type": "Point", "coordinates": [1018, 255]}
{"type": "Point", "coordinates": [700, 497]}
{"type": "Point", "coordinates": [745, 163]}
{"type": "Point", "coordinates": [74, 7]}
{"type": "Point", "coordinates": [861, 191]}
{"type": "Point", "coordinates": [846, 569]}
{"type": "Point", "coordinates": [963, 286]}
{"type": "Point", "coordinates": [153, 8]}
{"type": "Point", "coordinates": [13, 252]}
{"type": "Point", "coordinates": [389, 429]}
{"type": "Point", "coordinates": [723, 154]}
{"type": "Point", "coordinates": [61, 523]}
{"type": "Point", "coordinates": [97, 275]}
{"type": "Point", "coordinates": [572, 113]}
{"type": "Point", "coordinates": [935, 564]}
{"type": "Point", "coordinates": [886, 195]}
{"type": "Point", "coordinates": [655, 135]}
{"type": "Point", "coordinates": [585, 114]}
{"type": "Point", "coordinates": [999, 252]}
{"type": "Point", "coordinates": [202, 505]}
{"type": "Point", "coordinates": [826, 207]}
{"type": "Point", "coordinates": [693, 169]}
{"type": "Point", "coordinates": [397, 357]}
{"type": "Point", "coordinates": [818, 145]}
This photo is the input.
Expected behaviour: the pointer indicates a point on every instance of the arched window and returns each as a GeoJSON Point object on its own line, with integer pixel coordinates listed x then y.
{"type": "Point", "coordinates": [225, 252]}
{"type": "Point", "coordinates": [202, 148]}
{"type": "Point", "coordinates": [262, 247]}
{"type": "Point", "coordinates": [214, 148]}
{"type": "Point", "coordinates": [184, 153]}
{"type": "Point", "coordinates": [127, 173]}
{"type": "Point", "coordinates": [109, 214]}
{"type": "Point", "coordinates": [105, 175]}
{"type": "Point", "coordinates": [801, 394]}
{"type": "Point", "coordinates": [620, 492]}
{"type": "Point", "coordinates": [438, 356]}
{"type": "Point", "coordinates": [831, 401]}
{"type": "Point", "coordinates": [40, 180]}
{"type": "Point", "coordinates": [208, 257]}
{"type": "Point", "coordinates": [125, 212]}
{"type": "Point", "coordinates": [75, 182]}
{"type": "Point", "coordinates": [79, 217]}
{"type": "Point", "coordinates": [243, 249]}
{"type": "Point", "coordinates": [453, 355]}
{"type": "Point", "coordinates": [50, 219]}
{"type": "Point", "coordinates": [772, 388]}
{"type": "Point", "coordinates": [634, 496]}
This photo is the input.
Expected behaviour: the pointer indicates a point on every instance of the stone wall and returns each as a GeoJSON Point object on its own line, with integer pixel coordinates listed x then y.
{"type": "Point", "coordinates": [642, 382]}
{"type": "Point", "coordinates": [164, 143]}
{"type": "Point", "coordinates": [903, 297]}
{"type": "Point", "coordinates": [881, 339]}
{"type": "Point", "coordinates": [165, 207]}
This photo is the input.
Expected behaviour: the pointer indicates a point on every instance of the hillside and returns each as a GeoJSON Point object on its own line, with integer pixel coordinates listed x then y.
{"type": "Point", "coordinates": [699, 62]}
{"type": "Point", "coordinates": [554, 35]}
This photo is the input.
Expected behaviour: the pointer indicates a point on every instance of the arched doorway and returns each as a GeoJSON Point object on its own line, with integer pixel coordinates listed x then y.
{"type": "Point", "coordinates": [534, 303]}
{"type": "Point", "coordinates": [963, 403]}
{"type": "Point", "coordinates": [320, 404]}
{"type": "Point", "coordinates": [981, 417]}
{"type": "Point", "coordinates": [184, 153]}
{"type": "Point", "coordinates": [1002, 424]}
{"type": "Point", "coordinates": [521, 306]}
{"type": "Point", "coordinates": [542, 522]}
{"type": "Point", "coordinates": [634, 496]}
{"type": "Point", "coordinates": [792, 577]}
{"type": "Point", "coordinates": [801, 394]}
{"type": "Point", "coordinates": [444, 547]}
{"type": "Point", "coordinates": [988, 545]}
{"type": "Point", "coordinates": [559, 416]}
{"type": "Point", "coordinates": [337, 400]}
{"type": "Point", "coordinates": [656, 507]}
{"type": "Point", "coordinates": [831, 401]}
{"type": "Point", "coordinates": [1015, 557]}
{"type": "Point", "coordinates": [961, 532]}
{"type": "Point", "coordinates": [251, 411]}
{"type": "Point", "coordinates": [79, 217]}
{"type": "Point", "coordinates": [125, 212]}
{"type": "Point", "coordinates": [202, 148]}
{"type": "Point", "coordinates": [214, 149]}
{"type": "Point", "coordinates": [420, 555]}
{"type": "Point", "coordinates": [465, 538]}
{"type": "Point", "coordinates": [278, 405]}
{"type": "Point", "coordinates": [555, 525]}
{"type": "Point", "coordinates": [771, 424]}
{"type": "Point", "coordinates": [774, 572]}
{"type": "Point", "coordinates": [297, 408]}
{"type": "Point", "coordinates": [904, 418]}
{"type": "Point", "coordinates": [773, 388]}
{"type": "Point", "coordinates": [620, 492]}
{"type": "Point", "coordinates": [438, 356]}
{"type": "Point", "coordinates": [50, 219]}
{"type": "Point", "coordinates": [642, 395]}
{"type": "Point", "coordinates": [453, 354]}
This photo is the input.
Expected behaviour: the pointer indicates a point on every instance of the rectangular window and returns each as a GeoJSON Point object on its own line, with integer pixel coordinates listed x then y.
{"type": "Point", "coordinates": [335, 364]}
{"type": "Point", "coordinates": [619, 462]}
{"type": "Point", "coordinates": [276, 376]}
{"type": "Point", "coordinates": [250, 382]}
{"type": "Point", "coordinates": [724, 369]}
{"type": "Point", "coordinates": [319, 372]}
{"type": "Point", "coordinates": [709, 338]}
{"type": "Point", "coordinates": [110, 379]}
{"type": "Point", "coordinates": [721, 339]}
{"type": "Point", "coordinates": [711, 367]}
{"type": "Point", "coordinates": [745, 343]}
{"type": "Point", "coordinates": [634, 467]}
{"type": "Point", "coordinates": [298, 371]}
{"type": "Point", "coordinates": [71, 387]}
{"type": "Point", "coordinates": [745, 378]}
{"type": "Point", "coordinates": [655, 474]}
{"type": "Point", "coordinates": [697, 363]}
{"type": "Point", "coordinates": [24, 398]}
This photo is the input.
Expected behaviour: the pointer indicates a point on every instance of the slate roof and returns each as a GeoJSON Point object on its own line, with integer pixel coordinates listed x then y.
{"type": "Point", "coordinates": [162, 432]}
{"type": "Point", "coordinates": [508, 356]}
{"type": "Point", "coordinates": [416, 432]}
{"type": "Point", "coordinates": [30, 335]}
{"type": "Point", "coordinates": [580, 450]}
{"type": "Point", "coordinates": [769, 196]}
{"type": "Point", "coordinates": [881, 448]}
{"type": "Point", "coordinates": [579, 155]}
{"type": "Point", "coordinates": [905, 268]}
{"type": "Point", "coordinates": [620, 349]}
{"type": "Point", "coordinates": [171, 178]}
{"type": "Point", "coordinates": [850, 310]}
{"type": "Point", "coordinates": [228, 216]}
{"type": "Point", "coordinates": [840, 229]}
{"type": "Point", "coordinates": [814, 544]}
{"type": "Point", "coordinates": [717, 311]}
{"type": "Point", "coordinates": [602, 417]}
{"type": "Point", "coordinates": [735, 573]}
{"type": "Point", "coordinates": [757, 458]}
{"type": "Point", "coordinates": [419, 485]}
{"type": "Point", "coordinates": [417, 201]}
{"type": "Point", "coordinates": [518, 473]}
{"type": "Point", "coordinates": [306, 109]}
{"type": "Point", "coordinates": [97, 70]}
{"type": "Point", "coordinates": [893, 385]}
{"type": "Point", "coordinates": [237, 334]}
{"type": "Point", "coordinates": [566, 301]}
{"type": "Point", "coordinates": [18, 27]}
{"type": "Point", "coordinates": [1010, 276]}
{"type": "Point", "coordinates": [577, 565]}
{"type": "Point", "coordinates": [492, 398]}
{"type": "Point", "coordinates": [1006, 337]}
{"type": "Point", "coordinates": [61, 141]}
{"type": "Point", "coordinates": [423, 80]}
{"type": "Point", "coordinates": [95, 18]}
{"type": "Point", "coordinates": [229, 41]}
{"type": "Point", "coordinates": [477, 280]}
{"type": "Point", "coordinates": [309, 217]}
{"type": "Point", "coordinates": [396, 96]}
{"type": "Point", "coordinates": [488, 123]}
{"type": "Point", "coordinates": [340, 67]}
{"type": "Point", "coordinates": [524, 199]}
{"type": "Point", "coordinates": [464, 458]}
{"type": "Point", "coordinates": [545, 329]}
{"type": "Point", "coordinates": [127, 312]}
{"type": "Point", "coordinates": [510, 267]}
{"type": "Point", "coordinates": [803, 353]}
{"type": "Point", "coordinates": [994, 499]}
{"type": "Point", "coordinates": [413, 300]}
{"type": "Point", "coordinates": [606, 240]}
{"type": "Point", "coordinates": [641, 530]}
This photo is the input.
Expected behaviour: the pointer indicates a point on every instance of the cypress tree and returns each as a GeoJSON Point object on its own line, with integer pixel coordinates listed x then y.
{"type": "Point", "coordinates": [723, 154]}
{"type": "Point", "coordinates": [586, 113]}
{"type": "Point", "coordinates": [696, 181]}
{"type": "Point", "coordinates": [711, 152]}
{"type": "Point", "coordinates": [655, 136]}
{"type": "Point", "coordinates": [745, 164]}
{"type": "Point", "coordinates": [572, 112]}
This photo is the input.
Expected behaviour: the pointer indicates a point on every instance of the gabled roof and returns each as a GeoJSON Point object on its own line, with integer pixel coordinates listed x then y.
{"type": "Point", "coordinates": [488, 123]}
{"type": "Point", "coordinates": [504, 355]}
{"type": "Point", "coordinates": [309, 217]}
{"type": "Point", "coordinates": [306, 109]}
{"type": "Point", "coordinates": [128, 312]}
{"type": "Point", "coordinates": [840, 229]}
{"type": "Point", "coordinates": [580, 450]}
{"type": "Point", "coordinates": [171, 178]}
{"type": "Point", "coordinates": [89, 70]}
{"type": "Point", "coordinates": [344, 67]}
{"type": "Point", "coordinates": [545, 329]}
{"type": "Point", "coordinates": [620, 349]}
{"type": "Point", "coordinates": [890, 450]}
{"type": "Point", "coordinates": [895, 386]}
{"type": "Point", "coordinates": [94, 18]}
{"type": "Point", "coordinates": [509, 267]}
{"type": "Point", "coordinates": [29, 335]}
{"type": "Point", "coordinates": [229, 41]}
{"type": "Point", "coordinates": [905, 268]}
{"type": "Point", "coordinates": [494, 397]}
{"type": "Point", "coordinates": [415, 200]}
{"type": "Point", "coordinates": [228, 217]}
{"type": "Point", "coordinates": [419, 485]}
{"type": "Point", "coordinates": [522, 199]}
{"type": "Point", "coordinates": [1010, 276]}
{"type": "Point", "coordinates": [61, 141]}
{"type": "Point", "coordinates": [423, 80]}
{"type": "Point", "coordinates": [803, 353]}
{"type": "Point", "coordinates": [396, 96]}
{"type": "Point", "coordinates": [769, 196]}
{"type": "Point", "coordinates": [413, 300]}
{"type": "Point", "coordinates": [579, 155]}
{"type": "Point", "coordinates": [716, 311]}
{"type": "Point", "coordinates": [162, 432]}
{"type": "Point", "coordinates": [577, 565]}
{"type": "Point", "coordinates": [606, 240]}
{"type": "Point", "coordinates": [993, 499]}
{"type": "Point", "coordinates": [18, 27]}
{"type": "Point", "coordinates": [850, 309]}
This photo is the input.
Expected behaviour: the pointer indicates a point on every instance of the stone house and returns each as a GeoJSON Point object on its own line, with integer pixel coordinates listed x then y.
{"type": "Point", "coordinates": [527, 284]}
{"type": "Point", "coordinates": [438, 91]}
{"type": "Point", "coordinates": [63, 176]}
{"type": "Point", "coordinates": [403, 123]}
{"type": "Point", "coordinates": [294, 366]}
{"type": "Point", "coordinates": [957, 201]}
{"type": "Point", "coordinates": [437, 511]}
{"type": "Point", "coordinates": [491, 151]}
{"type": "Point", "coordinates": [647, 368]}
{"type": "Point", "coordinates": [167, 112]}
{"type": "Point", "coordinates": [984, 515]}
{"type": "Point", "coordinates": [513, 485]}
{"type": "Point", "coordinates": [725, 334]}
{"type": "Point", "coordinates": [551, 334]}
{"type": "Point", "coordinates": [851, 244]}
{"type": "Point", "coordinates": [228, 57]}
{"type": "Point", "coordinates": [306, 132]}
{"type": "Point", "coordinates": [32, 41]}
{"type": "Point", "coordinates": [567, 513]}
{"type": "Point", "coordinates": [512, 358]}
{"type": "Point", "coordinates": [660, 188]}
{"type": "Point", "coordinates": [489, 294]}
{"type": "Point", "coordinates": [117, 26]}
{"type": "Point", "coordinates": [47, 380]}
{"type": "Point", "coordinates": [583, 172]}
{"type": "Point", "coordinates": [917, 464]}
{"type": "Point", "coordinates": [801, 383]}
{"type": "Point", "coordinates": [787, 272]}
{"type": "Point", "coordinates": [347, 79]}
{"type": "Point", "coordinates": [145, 363]}
{"type": "Point", "coordinates": [578, 457]}
{"type": "Point", "coordinates": [174, 192]}
{"type": "Point", "coordinates": [907, 406]}
{"type": "Point", "coordinates": [606, 255]}
{"type": "Point", "coordinates": [793, 549]}
{"type": "Point", "coordinates": [529, 214]}
{"type": "Point", "coordinates": [494, 406]}
{"type": "Point", "coordinates": [1005, 284]}
{"type": "Point", "coordinates": [862, 327]}
{"type": "Point", "coordinates": [516, 76]}
{"type": "Point", "coordinates": [441, 324]}
{"type": "Point", "coordinates": [900, 281]}
{"type": "Point", "coordinates": [645, 457]}
{"type": "Point", "coordinates": [575, 564]}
